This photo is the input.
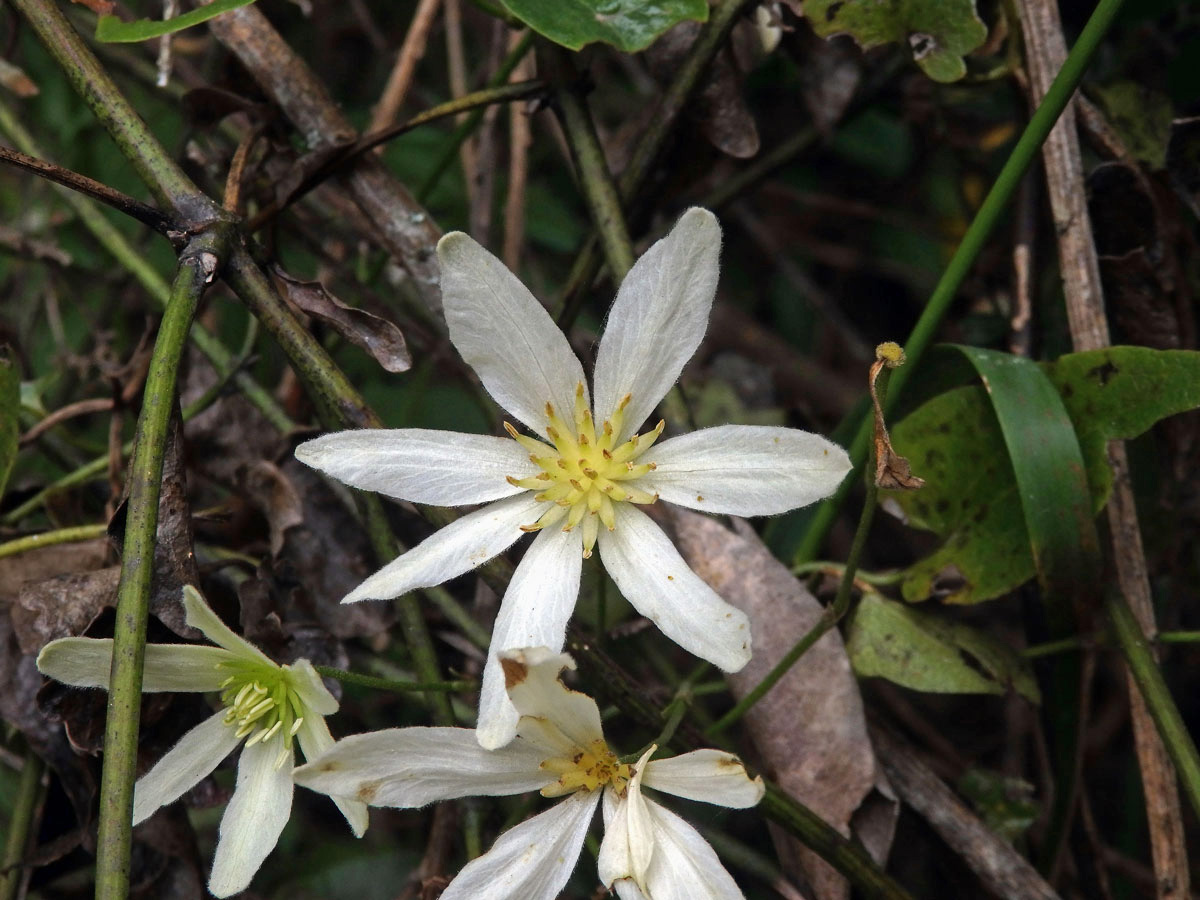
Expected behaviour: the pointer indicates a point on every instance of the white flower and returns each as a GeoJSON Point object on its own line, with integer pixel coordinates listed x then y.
{"type": "Point", "coordinates": [589, 479]}
{"type": "Point", "coordinates": [647, 851]}
{"type": "Point", "coordinates": [267, 703]}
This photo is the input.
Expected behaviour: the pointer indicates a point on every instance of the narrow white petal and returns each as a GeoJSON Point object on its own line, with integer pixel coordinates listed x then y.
{"type": "Point", "coordinates": [77, 661]}
{"type": "Point", "coordinates": [544, 701]}
{"type": "Point", "coordinates": [505, 335]}
{"type": "Point", "coordinates": [658, 319]}
{"type": "Point", "coordinates": [306, 682]}
{"type": "Point", "coordinates": [85, 662]}
{"type": "Point", "coordinates": [628, 846]}
{"type": "Point", "coordinates": [711, 776]}
{"type": "Point", "coordinates": [442, 468]}
{"type": "Point", "coordinates": [533, 613]}
{"type": "Point", "coordinates": [315, 739]}
{"type": "Point", "coordinates": [460, 547]}
{"type": "Point", "coordinates": [532, 861]}
{"type": "Point", "coordinates": [200, 615]}
{"type": "Point", "coordinates": [684, 865]}
{"type": "Point", "coordinates": [197, 753]}
{"type": "Point", "coordinates": [654, 578]}
{"type": "Point", "coordinates": [745, 470]}
{"type": "Point", "coordinates": [412, 767]}
{"type": "Point", "coordinates": [260, 807]}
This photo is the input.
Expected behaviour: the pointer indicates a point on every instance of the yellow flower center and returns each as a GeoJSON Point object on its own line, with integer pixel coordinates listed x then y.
{"type": "Point", "coordinates": [260, 703]}
{"type": "Point", "coordinates": [583, 471]}
{"type": "Point", "coordinates": [588, 769]}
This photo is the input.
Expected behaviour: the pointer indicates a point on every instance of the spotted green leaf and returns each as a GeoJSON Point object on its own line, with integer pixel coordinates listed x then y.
{"type": "Point", "coordinates": [938, 32]}
{"type": "Point", "coordinates": [628, 25]}
{"type": "Point", "coordinates": [112, 30]}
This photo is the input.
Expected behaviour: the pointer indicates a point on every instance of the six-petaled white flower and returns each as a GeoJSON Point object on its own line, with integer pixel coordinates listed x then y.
{"type": "Point", "coordinates": [581, 486]}
{"type": "Point", "coordinates": [648, 852]}
{"type": "Point", "coordinates": [268, 705]}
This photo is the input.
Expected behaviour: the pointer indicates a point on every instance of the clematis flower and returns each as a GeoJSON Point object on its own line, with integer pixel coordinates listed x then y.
{"type": "Point", "coordinates": [580, 483]}
{"type": "Point", "coordinates": [269, 705]}
{"type": "Point", "coordinates": [648, 852]}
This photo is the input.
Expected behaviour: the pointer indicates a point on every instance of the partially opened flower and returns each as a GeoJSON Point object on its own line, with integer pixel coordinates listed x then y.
{"type": "Point", "coordinates": [647, 851]}
{"type": "Point", "coordinates": [580, 485]}
{"type": "Point", "coordinates": [268, 705]}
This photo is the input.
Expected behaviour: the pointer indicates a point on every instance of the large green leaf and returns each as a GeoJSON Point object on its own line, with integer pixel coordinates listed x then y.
{"type": "Point", "coordinates": [928, 653]}
{"type": "Point", "coordinates": [10, 405]}
{"type": "Point", "coordinates": [629, 25]}
{"type": "Point", "coordinates": [112, 30]}
{"type": "Point", "coordinates": [970, 498]}
{"type": "Point", "coordinates": [939, 32]}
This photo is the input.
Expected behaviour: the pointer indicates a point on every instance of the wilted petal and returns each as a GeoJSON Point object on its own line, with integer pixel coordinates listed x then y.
{"type": "Point", "coordinates": [540, 696]}
{"type": "Point", "coordinates": [683, 865]}
{"type": "Point", "coordinates": [315, 739]}
{"type": "Point", "coordinates": [260, 807]}
{"type": "Point", "coordinates": [654, 578]}
{"type": "Point", "coordinates": [412, 767]}
{"type": "Point", "coordinates": [711, 776]}
{"type": "Point", "coordinates": [460, 547]}
{"type": "Point", "coordinates": [442, 468]}
{"type": "Point", "coordinates": [533, 613]}
{"type": "Point", "coordinates": [658, 319]}
{"type": "Point", "coordinates": [746, 470]}
{"type": "Point", "coordinates": [504, 334]}
{"type": "Point", "coordinates": [200, 615]}
{"type": "Point", "coordinates": [195, 756]}
{"type": "Point", "coordinates": [532, 861]}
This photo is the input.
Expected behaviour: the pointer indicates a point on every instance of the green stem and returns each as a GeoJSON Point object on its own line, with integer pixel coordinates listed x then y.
{"type": "Point", "coordinates": [51, 538]}
{"type": "Point", "coordinates": [599, 190]}
{"type": "Point", "coordinates": [24, 806]}
{"type": "Point", "coordinates": [994, 205]}
{"type": "Point", "coordinates": [133, 591]}
{"type": "Point", "coordinates": [391, 684]}
{"type": "Point", "coordinates": [832, 614]}
{"type": "Point", "coordinates": [471, 122]}
{"type": "Point", "coordinates": [1171, 727]}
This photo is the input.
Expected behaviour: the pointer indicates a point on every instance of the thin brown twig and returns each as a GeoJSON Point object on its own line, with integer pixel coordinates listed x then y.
{"type": "Point", "coordinates": [401, 77]}
{"type": "Point", "coordinates": [520, 138]}
{"type": "Point", "coordinates": [62, 414]}
{"type": "Point", "coordinates": [456, 63]}
{"type": "Point", "coordinates": [136, 209]}
{"type": "Point", "coordinates": [1045, 52]}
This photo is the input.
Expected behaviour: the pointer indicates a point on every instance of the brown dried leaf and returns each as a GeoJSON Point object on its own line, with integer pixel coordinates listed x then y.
{"type": "Point", "coordinates": [379, 337]}
{"type": "Point", "coordinates": [891, 469]}
{"type": "Point", "coordinates": [16, 81]}
{"type": "Point", "coordinates": [41, 563]}
{"type": "Point", "coordinates": [809, 729]}
{"type": "Point", "coordinates": [830, 72]}
{"type": "Point", "coordinates": [271, 491]}
{"type": "Point", "coordinates": [99, 7]}
{"type": "Point", "coordinates": [62, 606]}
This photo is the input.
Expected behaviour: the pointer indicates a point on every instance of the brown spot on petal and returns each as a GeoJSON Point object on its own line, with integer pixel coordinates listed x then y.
{"type": "Point", "coordinates": [367, 791]}
{"type": "Point", "coordinates": [514, 672]}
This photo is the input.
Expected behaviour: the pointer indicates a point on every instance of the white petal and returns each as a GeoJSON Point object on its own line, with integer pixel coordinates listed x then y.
{"type": "Point", "coordinates": [200, 615]}
{"type": "Point", "coordinates": [412, 767]}
{"type": "Point", "coordinates": [544, 701]}
{"type": "Point", "coordinates": [78, 661]}
{"type": "Point", "coordinates": [532, 861]}
{"type": "Point", "coordinates": [442, 468]}
{"type": "Point", "coordinates": [85, 662]}
{"type": "Point", "coordinates": [533, 613]}
{"type": "Point", "coordinates": [505, 335]}
{"type": "Point", "coordinates": [260, 807]}
{"type": "Point", "coordinates": [658, 319]}
{"type": "Point", "coordinates": [711, 776]}
{"type": "Point", "coordinates": [197, 753]}
{"type": "Point", "coordinates": [745, 470]}
{"type": "Point", "coordinates": [315, 739]}
{"type": "Point", "coordinates": [684, 865]}
{"type": "Point", "coordinates": [460, 547]}
{"type": "Point", "coordinates": [306, 682]}
{"type": "Point", "coordinates": [628, 845]}
{"type": "Point", "coordinates": [654, 578]}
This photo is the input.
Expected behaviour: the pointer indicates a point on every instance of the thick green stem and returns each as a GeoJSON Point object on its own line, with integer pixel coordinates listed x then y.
{"type": "Point", "coordinates": [197, 265]}
{"type": "Point", "coordinates": [599, 190]}
{"type": "Point", "coordinates": [19, 826]}
{"type": "Point", "coordinates": [1171, 727]}
{"type": "Point", "coordinates": [994, 205]}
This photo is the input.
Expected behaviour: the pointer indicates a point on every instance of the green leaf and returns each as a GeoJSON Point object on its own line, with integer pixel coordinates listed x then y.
{"type": "Point", "coordinates": [1141, 116]}
{"type": "Point", "coordinates": [926, 653]}
{"type": "Point", "coordinates": [1005, 804]}
{"type": "Point", "coordinates": [112, 30]}
{"type": "Point", "coordinates": [10, 404]}
{"type": "Point", "coordinates": [939, 32]}
{"type": "Point", "coordinates": [628, 25]}
{"type": "Point", "coordinates": [970, 498]}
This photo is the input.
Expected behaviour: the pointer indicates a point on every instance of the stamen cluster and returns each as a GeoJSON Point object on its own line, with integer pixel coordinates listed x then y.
{"type": "Point", "coordinates": [588, 769]}
{"type": "Point", "coordinates": [260, 703]}
{"type": "Point", "coordinates": [583, 473]}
